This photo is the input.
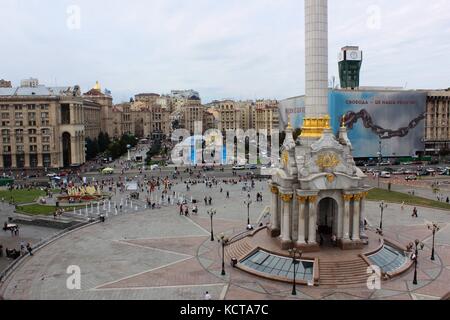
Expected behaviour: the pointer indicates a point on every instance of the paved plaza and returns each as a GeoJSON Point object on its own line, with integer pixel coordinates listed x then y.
{"type": "Point", "coordinates": [158, 254]}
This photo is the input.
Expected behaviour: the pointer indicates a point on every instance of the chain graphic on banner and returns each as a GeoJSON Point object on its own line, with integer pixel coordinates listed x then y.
{"type": "Point", "coordinates": [351, 118]}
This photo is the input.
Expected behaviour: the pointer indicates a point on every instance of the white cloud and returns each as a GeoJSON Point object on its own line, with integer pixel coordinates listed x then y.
{"type": "Point", "coordinates": [241, 49]}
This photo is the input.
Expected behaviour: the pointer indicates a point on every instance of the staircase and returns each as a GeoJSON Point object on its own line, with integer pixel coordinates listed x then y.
{"type": "Point", "coordinates": [343, 273]}
{"type": "Point", "coordinates": [238, 249]}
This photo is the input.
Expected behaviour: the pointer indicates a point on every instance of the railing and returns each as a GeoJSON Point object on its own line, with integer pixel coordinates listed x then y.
{"type": "Point", "coordinates": [12, 266]}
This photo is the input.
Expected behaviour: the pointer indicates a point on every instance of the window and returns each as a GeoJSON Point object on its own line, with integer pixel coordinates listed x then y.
{"type": "Point", "coordinates": [44, 107]}
{"type": "Point", "coordinates": [32, 131]}
{"type": "Point", "coordinates": [46, 148]}
{"type": "Point", "coordinates": [19, 132]}
{"type": "Point", "coordinates": [17, 107]}
{"type": "Point", "coordinates": [33, 140]}
{"type": "Point", "coordinates": [46, 139]}
{"type": "Point", "coordinates": [5, 132]}
{"type": "Point", "coordinates": [32, 123]}
{"type": "Point", "coordinates": [5, 115]}
{"type": "Point", "coordinates": [4, 107]}
{"type": "Point", "coordinates": [18, 115]}
{"type": "Point", "coordinates": [19, 123]}
{"type": "Point", "coordinates": [6, 149]}
{"type": "Point", "coordinates": [33, 148]}
{"type": "Point", "coordinates": [45, 131]}
{"type": "Point", "coordinates": [19, 139]}
{"type": "Point", "coordinates": [44, 115]}
{"type": "Point", "coordinates": [5, 123]}
{"type": "Point", "coordinates": [45, 122]}
{"type": "Point", "coordinates": [31, 107]}
{"type": "Point", "coordinates": [31, 115]}
{"type": "Point", "coordinates": [20, 149]}
{"type": "Point", "coordinates": [6, 140]}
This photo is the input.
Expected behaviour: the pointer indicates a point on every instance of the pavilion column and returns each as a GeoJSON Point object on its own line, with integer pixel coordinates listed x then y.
{"type": "Point", "coordinates": [362, 208]}
{"type": "Point", "coordinates": [286, 227]}
{"type": "Point", "coordinates": [312, 232]}
{"type": "Point", "coordinates": [274, 220]}
{"type": "Point", "coordinates": [346, 227]}
{"type": "Point", "coordinates": [356, 217]}
{"type": "Point", "coordinates": [301, 219]}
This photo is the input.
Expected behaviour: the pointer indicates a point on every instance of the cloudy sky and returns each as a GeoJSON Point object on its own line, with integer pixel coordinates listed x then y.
{"type": "Point", "coordinates": [241, 49]}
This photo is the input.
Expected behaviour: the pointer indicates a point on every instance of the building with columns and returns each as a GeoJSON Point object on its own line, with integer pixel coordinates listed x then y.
{"type": "Point", "coordinates": [437, 132]}
{"type": "Point", "coordinates": [318, 191]}
{"type": "Point", "coordinates": [42, 127]}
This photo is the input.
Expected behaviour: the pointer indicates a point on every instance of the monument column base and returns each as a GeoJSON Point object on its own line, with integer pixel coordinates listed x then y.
{"type": "Point", "coordinates": [308, 247]}
{"type": "Point", "coordinates": [274, 232]}
{"type": "Point", "coordinates": [350, 244]}
{"type": "Point", "coordinates": [286, 244]}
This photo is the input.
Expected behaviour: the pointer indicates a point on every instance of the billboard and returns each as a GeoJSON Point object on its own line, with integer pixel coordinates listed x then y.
{"type": "Point", "coordinates": [396, 118]}
{"type": "Point", "coordinates": [293, 107]}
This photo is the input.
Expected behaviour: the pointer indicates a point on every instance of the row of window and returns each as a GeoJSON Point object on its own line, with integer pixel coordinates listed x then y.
{"type": "Point", "coordinates": [20, 132]}
{"type": "Point", "coordinates": [20, 160]}
{"type": "Point", "coordinates": [21, 149]}
{"type": "Point", "coordinates": [25, 107]}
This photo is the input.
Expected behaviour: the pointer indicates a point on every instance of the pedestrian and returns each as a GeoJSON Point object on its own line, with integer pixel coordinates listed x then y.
{"type": "Point", "coordinates": [228, 194]}
{"type": "Point", "coordinates": [30, 249]}
{"type": "Point", "coordinates": [181, 209]}
{"type": "Point", "coordinates": [207, 296]}
{"type": "Point", "coordinates": [1, 250]}
{"type": "Point", "coordinates": [206, 201]}
{"type": "Point", "coordinates": [415, 213]}
{"type": "Point", "coordinates": [403, 205]}
{"type": "Point", "coordinates": [210, 201]}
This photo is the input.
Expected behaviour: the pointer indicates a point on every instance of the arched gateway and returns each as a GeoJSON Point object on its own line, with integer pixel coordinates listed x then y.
{"type": "Point", "coordinates": [318, 193]}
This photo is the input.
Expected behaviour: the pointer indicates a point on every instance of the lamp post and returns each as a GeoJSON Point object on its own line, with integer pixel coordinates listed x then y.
{"type": "Point", "coordinates": [296, 255]}
{"type": "Point", "coordinates": [212, 213]}
{"type": "Point", "coordinates": [434, 228]}
{"type": "Point", "coordinates": [416, 245]}
{"type": "Point", "coordinates": [248, 203]}
{"type": "Point", "coordinates": [382, 207]}
{"type": "Point", "coordinates": [224, 241]}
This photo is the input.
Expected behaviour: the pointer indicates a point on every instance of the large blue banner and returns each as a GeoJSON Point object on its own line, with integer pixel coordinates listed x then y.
{"type": "Point", "coordinates": [396, 118]}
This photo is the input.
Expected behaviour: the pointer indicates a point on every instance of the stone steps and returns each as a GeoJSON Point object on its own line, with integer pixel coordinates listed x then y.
{"type": "Point", "coordinates": [238, 249]}
{"type": "Point", "coordinates": [342, 273]}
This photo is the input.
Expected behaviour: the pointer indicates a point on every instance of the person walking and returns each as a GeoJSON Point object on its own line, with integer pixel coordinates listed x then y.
{"type": "Point", "coordinates": [228, 194]}
{"type": "Point", "coordinates": [207, 296]}
{"type": "Point", "coordinates": [415, 213]}
{"type": "Point", "coordinates": [403, 205]}
{"type": "Point", "coordinates": [30, 249]}
{"type": "Point", "coordinates": [210, 201]}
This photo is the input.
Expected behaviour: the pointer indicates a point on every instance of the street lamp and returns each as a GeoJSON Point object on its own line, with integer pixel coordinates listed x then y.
{"type": "Point", "coordinates": [416, 245]}
{"type": "Point", "coordinates": [296, 255]}
{"type": "Point", "coordinates": [248, 203]}
{"type": "Point", "coordinates": [224, 241]}
{"type": "Point", "coordinates": [212, 213]}
{"type": "Point", "coordinates": [434, 228]}
{"type": "Point", "coordinates": [382, 207]}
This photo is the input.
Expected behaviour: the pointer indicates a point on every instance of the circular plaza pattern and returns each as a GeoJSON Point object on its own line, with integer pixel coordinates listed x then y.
{"type": "Point", "coordinates": [160, 254]}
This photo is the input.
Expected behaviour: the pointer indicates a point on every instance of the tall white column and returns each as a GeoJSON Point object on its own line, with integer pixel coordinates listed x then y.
{"type": "Point", "coordinates": [346, 228]}
{"type": "Point", "coordinates": [274, 221]}
{"type": "Point", "coordinates": [286, 226]}
{"type": "Point", "coordinates": [312, 233]}
{"type": "Point", "coordinates": [316, 58]}
{"type": "Point", "coordinates": [301, 220]}
{"type": "Point", "coordinates": [356, 217]}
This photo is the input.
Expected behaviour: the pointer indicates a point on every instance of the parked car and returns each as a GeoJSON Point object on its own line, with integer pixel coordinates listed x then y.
{"type": "Point", "coordinates": [51, 175]}
{"type": "Point", "coordinates": [239, 168]}
{"type": "Point", "coordinates": [385, 174]}
{"type": "Point", "coordinates": [252, 167]}
{"type": "Point", "coordinates": [411, 178]}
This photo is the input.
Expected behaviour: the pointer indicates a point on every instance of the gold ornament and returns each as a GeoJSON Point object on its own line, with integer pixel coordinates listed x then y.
{"type": "Point", "coordinates": [302, 199]}
{"type": "Point", "coordinates": [348, 197]}
{"type": "Point", "coordinates": [286, 197]}
{"type": "Point", "coordinates": [312, 199]}
{"type": "Point", "coordinates": [330, 178]}
{"type": "Point", "coordinates": [285, 157]}
{"type": "Point", "coordinates": [328, 160]}
{"type": "Point", "coordinates": [274, 190]}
